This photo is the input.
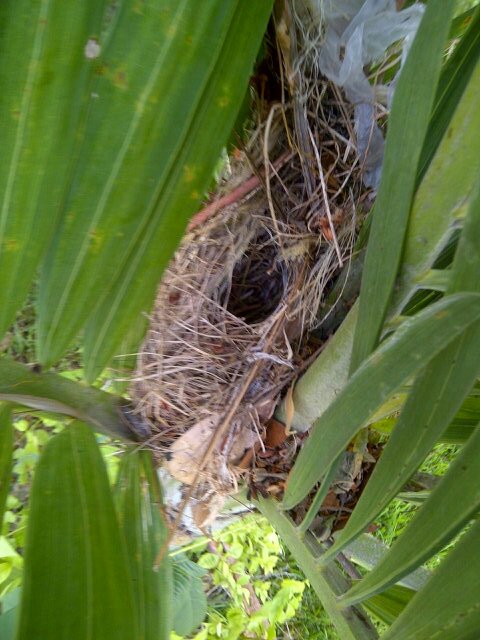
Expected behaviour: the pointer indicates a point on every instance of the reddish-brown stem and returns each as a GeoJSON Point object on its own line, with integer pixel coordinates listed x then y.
{"type": "Point", "coordinates": [234, 196]}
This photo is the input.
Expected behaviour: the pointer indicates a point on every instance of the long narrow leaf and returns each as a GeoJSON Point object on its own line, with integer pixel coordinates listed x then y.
{"type": "Point", "coordinates": [407, 128]}
{"type": "Point", "coordinates": [163, 103]}
{"type": "Point", "coordinates": [389, 605]}
{"type": "Point", "coordinates": [145, 532]}
{"type": "Point", "coordinates": [76, 580]}
{"type": "Point", "coordinates": [391, 365]}
{"type": "Point", "coordinates": [458, 431]}
{"type": "Point", "coordinates": [45, 77]}
{"type": "Point", "coordinates": [52, 392]}
{"type": "Point", "coordinates": [449, 508]}
{"type": "Point", "coordinates": [451, 85]}
{"type": "Point", "coordinates": [445, 195]}
{"type": "Point", "coordinates": [466, 264]}
{"type": "Point", "coordinates": [6, 450]}
{"type": "Point", "coordinates": [447, 607]}
{"type": "Point", "coordinates": [368, 551]}
{"type": "Point", "coordinates": [320, 495]}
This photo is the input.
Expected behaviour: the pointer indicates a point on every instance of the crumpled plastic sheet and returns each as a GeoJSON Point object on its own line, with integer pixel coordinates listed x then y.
{"type": "Point", "coordinates": [358, 33]}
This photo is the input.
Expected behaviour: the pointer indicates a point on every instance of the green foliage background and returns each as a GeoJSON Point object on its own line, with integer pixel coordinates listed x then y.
{"type": "Point", "coordinates": [96, 190]}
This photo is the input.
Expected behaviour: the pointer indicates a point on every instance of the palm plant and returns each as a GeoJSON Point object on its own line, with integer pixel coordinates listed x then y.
{"type": "Point", "coordinates": [109, 144]}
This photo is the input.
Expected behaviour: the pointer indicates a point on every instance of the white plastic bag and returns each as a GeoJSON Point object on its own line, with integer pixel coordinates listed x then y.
{"type": "Point", "coordinates": [357, 34]}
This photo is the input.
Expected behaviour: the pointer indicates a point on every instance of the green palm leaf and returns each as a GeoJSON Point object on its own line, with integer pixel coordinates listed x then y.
{"type": "Point", "coordinates": [46, 80]}
{"type": "Point", "coordinates": [154, 131]}
{"type": "Point", "coordinates": [51, 392]}
{"type": "Point", "coordinates": [444, 196]}
{"type": "Point", "coordinates": [448, 509]}
{"type": "Point", "coordinates": [76, 580]}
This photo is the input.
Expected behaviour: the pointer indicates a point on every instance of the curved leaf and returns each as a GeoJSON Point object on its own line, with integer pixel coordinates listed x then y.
{"type": "Point", "coordinates": [76, 578]}
{"type": "Point", "coordinates": [433, 402]}
{"type": "Point", "coordinates": [231, 53]}
{"type": "Point", "coordinates": [452, 82]}
{"type": "Point", "coordinates": [389, 605]}
{"type": "Point", "coordinates": [445, 195]}
{"type": "Point", "coordinates": [367, 551]}
{"type": "Point", "coordinates": [51, 392]}
{"type": "Point", "coordinates": [435, 398]}
{"type": "Point", "coordinates": [392, 364]}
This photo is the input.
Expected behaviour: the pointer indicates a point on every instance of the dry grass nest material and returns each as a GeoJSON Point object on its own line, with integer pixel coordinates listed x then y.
{"type": "Point", "coordinates": [234, 311]}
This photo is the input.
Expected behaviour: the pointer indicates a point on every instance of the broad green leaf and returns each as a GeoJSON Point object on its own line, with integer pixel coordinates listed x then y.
{"type": "Point", "coordinates": [145, 531]}
{"type": "Point", "coordinates": [45, 78]}
{"type": "Point", "coordinates": [76, 576]}
{"type": "Point", "coordinates": [447, 607]}
{"type": "Point", "coordinates": [51, 392]}
{"type": "Point", "coordinates": [445, 195]}
{"type": "Point", "coordinates": [399, 358]}
{"type": "Point", "coordinates": [227, 47]}
{"type": "Point", "coordinates": [190, 602]}
{"type": "Point", "coordinates": [451, 85]}
{"type": "Point", "coordinates": [389, 605]}
{"type": "Point", "coordinates": [6, 449]}
{"type": "Point", "coordinates": [168, 86]}
{"type": "Point", "coordinates": [445, 513]}
{"type": "Point", "coordinates": [328, 582]}
{"type": "Point", "coordinates": [408, 123]}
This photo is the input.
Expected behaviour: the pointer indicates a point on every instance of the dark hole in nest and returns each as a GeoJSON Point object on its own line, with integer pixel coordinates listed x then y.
{"type": "Point", "coordinates": [258, 282]}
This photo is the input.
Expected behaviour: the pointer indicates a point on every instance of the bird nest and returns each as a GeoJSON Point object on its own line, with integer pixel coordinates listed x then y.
{"type": "Point", "coordinates": [231, 326]}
